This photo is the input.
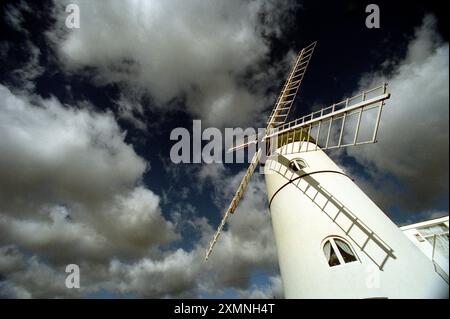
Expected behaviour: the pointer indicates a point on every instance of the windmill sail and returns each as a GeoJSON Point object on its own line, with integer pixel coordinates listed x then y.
{"type": "Point", "coordinates": [354, 121]}
{"type": "Point", "coordinates": [236, 199]}
{"type": "Point", "coordinates": [277, 117]}
{"type": "Point", "coordinates": [286, 98]}
{"type": "Point", "coordinates": [332, 122]}
{"type": "Point", "coordinates": [290, 89]}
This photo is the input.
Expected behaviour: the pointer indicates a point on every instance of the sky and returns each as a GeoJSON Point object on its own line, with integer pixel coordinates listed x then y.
{"type": "Point", "coordinates": [86, 116]}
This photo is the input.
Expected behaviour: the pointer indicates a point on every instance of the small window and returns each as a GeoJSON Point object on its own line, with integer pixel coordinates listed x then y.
{"type": "Point", "coordinates": [297, 164]}
{"type": "Point", "coordinates": [330, 254]}
{"type": "Point", "coordinates": [338, 252]}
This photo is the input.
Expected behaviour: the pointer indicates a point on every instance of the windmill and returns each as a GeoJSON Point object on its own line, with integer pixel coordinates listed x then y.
{"type": "Point", "coordinates": [332, 240]}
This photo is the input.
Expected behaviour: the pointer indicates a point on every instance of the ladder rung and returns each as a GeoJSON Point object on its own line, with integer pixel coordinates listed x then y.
{"type": "Point", "coordinates": [296, 81]}
{"type": "Point", "coordinates": [301, 74]}
{"type": "Point", "coordinates": [306, 57]}
{"type": "Point", "coordinates": [289, 89]}
{"type": "Point", "coordinates": [306, 60]}
{"type": "Point", "coordinates": [311, 45]}
{"type": "Point", "coordinates": [282, 104]}
{"type": "Point", "coordinates": [293, 85]}
{"type": "Point", "coordinates": [307, 51]}
{"type": "Point", "coordinates": [298, 72]}
{"type": "Point", "coordinates": [289, 93]}
{"type": "Point", "coordinates": [286, 102]}
{"type": "Point", "coordinates": [290, 86]}
{"type": "Point", "coordinates": [280, 112]}
{"type": "Point", "coordinates": [303, 62]}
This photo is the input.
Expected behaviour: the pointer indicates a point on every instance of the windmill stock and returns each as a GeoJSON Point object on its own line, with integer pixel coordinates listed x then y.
{"type": "Point", "coordinates": [332, 240]}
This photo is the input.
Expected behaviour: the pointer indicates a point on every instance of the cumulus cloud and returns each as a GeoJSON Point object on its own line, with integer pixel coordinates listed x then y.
{"type": "Point", "coordinates": [413, 134]}
{"type": "Point", "coordinates": [71, 188]}
{"type": "Point", "coordinates": [248, 243]}
{"type": "Point", "coordinates": [128, 227]}
{"type": "Point", "coordinates": [173, 276]}
{"type": "Point", "coordinates": [71, 193]}
{"type": "Point", "coordinates": [35, 280]}
{"type": "Point", "coordinates": [211, 55]}
{"type": "Point", "coordinates": [132, 111]}
{"type": "Point", "coordinates": [273, 290]}
{"type": "Point", "coordinates": [72, 155]}
{"type": "Point", "coordinates": [245, 247]}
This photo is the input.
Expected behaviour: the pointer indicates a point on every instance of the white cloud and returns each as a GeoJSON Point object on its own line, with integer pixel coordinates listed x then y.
{"type": "Point", "coordinates": [198, 51]}
{"type": "Point", "coordinates": [58, 240]}
{"type": "Point", "coordinates": [413, 136]}
{"type": "Point", "coordinates": [175, 275]}
{"type": "Point", "coordinates": [31, 278]}
{"type": "Point", "coordinates": [10, 259]}
{"type": "Point", "coordinates": [54, 153]}
{"type": "Point", "coordinates": [70, 187]}
{"type": "Point", "coordinates": [248, 244]}
{"type": "Point", "coordinates": [69, 190]}
{"type": "Point", "coordinates": [138, 218]}
{"type": "Point", "coordinates": [132, 111]}
{"type": "Point", "coordinates": [211, 172]}
{"type": "Point", "coordinates": [273, 290]}
{"type": "Point", "coordinates": [70, 193]}
{"type": "Point", "coordinates": [130, 226]}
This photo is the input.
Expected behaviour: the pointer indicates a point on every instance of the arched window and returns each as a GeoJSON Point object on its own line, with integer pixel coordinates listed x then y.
{"type": "Point", "coordinates": [297, 164]}
{"type": "Point", "coordinates": [337, 252]}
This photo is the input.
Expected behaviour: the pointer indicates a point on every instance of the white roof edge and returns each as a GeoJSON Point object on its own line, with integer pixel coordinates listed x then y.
{"type": "Point", "coordinates": [426, 223]}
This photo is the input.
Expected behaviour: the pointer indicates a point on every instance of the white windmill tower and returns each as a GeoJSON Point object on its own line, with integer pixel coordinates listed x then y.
{"type": "Point", "coordinates": [332, 240]}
